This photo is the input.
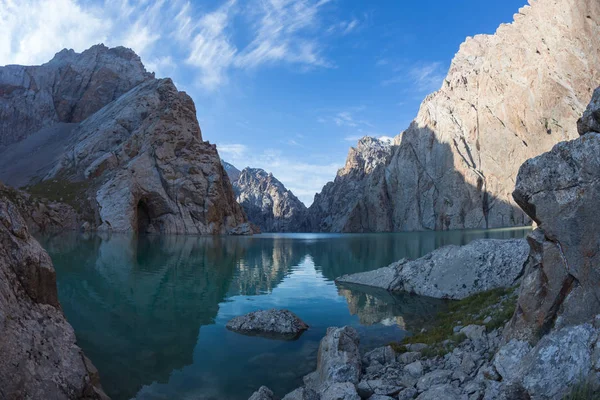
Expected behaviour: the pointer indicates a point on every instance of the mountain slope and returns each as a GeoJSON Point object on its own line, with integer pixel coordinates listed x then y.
{"type": "Point", "coordinates": [137, 163]}
{"type": "Point", "coordinates": [266, 201]}
{"type": "Point", "coordinates": [507, 97]}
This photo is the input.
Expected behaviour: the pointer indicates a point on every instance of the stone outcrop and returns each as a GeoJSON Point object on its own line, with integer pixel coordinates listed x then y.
{"type": "Point", "coordinates": [507, 97]}
{"type": "Point", "coordinates": [266, 201]}
{"type": "Point", "coordinates": [68, 88]}
{"type": "Point", "coordinates": [339, 208]}
{"type": "Point", "coordinates": [274, 324]}
{"type": "Point", "coordinates": [40, 358]}
{"type": "Point", "coordinates": [42, 215]}
{"type": "Point", "coordinates": [451, 272]}
{"type": "Point", "coordinates": [133, 157]}
{"type": "Point", "coordinates": [560, 190]}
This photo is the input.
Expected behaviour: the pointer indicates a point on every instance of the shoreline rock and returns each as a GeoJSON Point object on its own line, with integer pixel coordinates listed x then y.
{"type": "Point", "coordinates": [451, 272]}
{"type": "Point", "coordinates": [40, 358]}
{"type": "Point", "coordinates": [271, 324]}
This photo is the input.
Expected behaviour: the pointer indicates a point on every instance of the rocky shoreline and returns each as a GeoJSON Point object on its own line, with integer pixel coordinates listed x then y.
{"type": "Point", "coordinates": [546, 348]}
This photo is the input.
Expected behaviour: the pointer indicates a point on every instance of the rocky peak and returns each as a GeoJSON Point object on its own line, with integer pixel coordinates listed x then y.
{"type": "Point", "coordinates": [366, 156]}
{"type": "Point", "coordinates": [507, 97]}
{"type": "Point", "coordinates": [266, 201]}
{"type": "Point", "coordinates": [69, 88]}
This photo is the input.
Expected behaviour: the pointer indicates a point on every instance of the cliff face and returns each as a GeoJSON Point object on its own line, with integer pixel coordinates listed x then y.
{"type": "Point", "coordinates": [266, 201]}
{"type": "Point", "coordinates": [507, 97]}
{"type": "Point", "coordinates": [40, 358]}
{"type": "Point", "coordinates": [136, 163]}
{"type": "Point", "coordinates": [357, 201]}
{"type": "Point", "coordinates": [68, 88]}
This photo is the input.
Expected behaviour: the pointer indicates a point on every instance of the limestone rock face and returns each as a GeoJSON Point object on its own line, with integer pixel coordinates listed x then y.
{"type": "Point", "coordinates": [452, 272]}
{"type": "Point", "coordinates": [69, 88]}
{"type": "Point", "coordinates": [40, 359]}
{"type": "Point", "coordinates": [560, 191]}
{"type": "Point", "coordinates": [341, 207]}
{"type": "Point", "coordinates": [266, 201]}
{"type": "Point", "coordinates": [127, 151]}
{"type": "Point", "coordinates": [507, 97]}
{"type": "Point", "coordinates": [276, 324]}
{"type": "Point", "coordinates": [148, 167]}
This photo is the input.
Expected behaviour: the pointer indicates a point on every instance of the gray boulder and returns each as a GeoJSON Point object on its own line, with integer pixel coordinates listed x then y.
{"type": "Point", "coordinates": [560, 190]}
{"type": "Point", "coordinates": [444, 391]}
{"type": "Point", "coordinates": [274, 324]}
{"type": "Point", "coordinates": [339, 358]}
{"type": "Point", "coordinates": [452, 272]}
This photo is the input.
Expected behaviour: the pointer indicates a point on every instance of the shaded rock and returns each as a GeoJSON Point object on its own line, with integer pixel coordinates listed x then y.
{"type": "Point", "coordinates": [559, 360]}
{"type": "Point", "coordinates": [40, 358]}
{"type": "Point", "coordinates": [444, 170]}
{"type": "Point", "coordinates": [559, 190]}
{"type": "Point", "coordinates": [382, 355]}
{"type": "Point", "coordinates": [263, 393]}
{"type": "Point", "coordinates": [509, 357]}
{"type": "Point", "coordinates": [340, 391]}
{"type": "Point", "coordinates": [474, 332]}
{"type": "Point", "coordinates": [276, 324]}
{"type": "Point", "coordinates": [408, 357]}
{"type": "Point", "coordinates": [414, 369]}
{"type": "Point", "coordinates": [408, 394]}
{"type": "Point", "coordinates": [339, 358]}
{"type": "Point", "coordinates": [266, 201]}
{"type": "Point", "coordinates": [302, 394]}
{"type": "Point", "coordinates": [447, 392]}
{"type": "Point", "coordinates": [452, 272]}
{"type": "Point", "coordinates": [68, 88]}
{"type": "Point", "coordinates": [432, 378]}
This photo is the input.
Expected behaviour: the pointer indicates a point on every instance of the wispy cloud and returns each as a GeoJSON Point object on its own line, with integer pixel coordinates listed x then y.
{"type": "Point", "coordinates": [423, 77]}
{"type": "Point", "coordinates": [303, 178]}
{"type": "Point", "coordinates": [344, 27]}
{"type": "Point", "coordinates": [345, 119]}
{"type": "Point", "coordinates": [280, 32]}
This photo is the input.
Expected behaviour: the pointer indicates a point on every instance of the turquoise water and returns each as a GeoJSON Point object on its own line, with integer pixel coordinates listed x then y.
{"type": "Point", "coordinates": [151, 312]}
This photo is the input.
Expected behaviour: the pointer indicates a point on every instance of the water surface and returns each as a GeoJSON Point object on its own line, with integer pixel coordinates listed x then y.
{"type": "Point", "coordinates": [151, 311]}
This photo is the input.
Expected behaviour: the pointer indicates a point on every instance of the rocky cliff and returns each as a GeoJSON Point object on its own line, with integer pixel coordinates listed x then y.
{"type": "Point", "coordinates": [507, 97]}
{"type": "Point", "coordinates": [68, 88]}
{"type": "Point", "coordinates": [40, 358]}
{"type": "Point", "coordinates": [266, 201]}
{"type": "Point", "coordinates": [128, 156]}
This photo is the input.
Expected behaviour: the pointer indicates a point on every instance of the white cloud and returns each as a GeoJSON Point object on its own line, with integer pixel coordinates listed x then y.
{"type": "Point", "coordinates": [279, 32]}
{"type": "Point", "coordinates": [347, 119]}
{"type": "Point", "coordinates": [344, 27]}
{"type": "Point", "coordinates": [423, 77]}
{"type": "Point", "coordinates": [304, 179]}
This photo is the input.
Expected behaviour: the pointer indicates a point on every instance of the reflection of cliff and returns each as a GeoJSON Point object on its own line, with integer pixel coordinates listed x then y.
{"type": "Point", "coordinates": [264, 264]}
{"type": "Point", "coordinates": [374, 306]}
{"type": "Point", "coordinates": [115, 291]}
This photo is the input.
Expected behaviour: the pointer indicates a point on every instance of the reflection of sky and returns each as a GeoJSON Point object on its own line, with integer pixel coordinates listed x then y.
{"type": "Point", "coordinates": [223, 358]}
{"type": "Point", "coordinates": [151, 313]}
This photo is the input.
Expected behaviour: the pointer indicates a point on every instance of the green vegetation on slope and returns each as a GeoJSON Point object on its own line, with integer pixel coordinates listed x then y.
{"type": "Point", "coordinates": [496, 306]}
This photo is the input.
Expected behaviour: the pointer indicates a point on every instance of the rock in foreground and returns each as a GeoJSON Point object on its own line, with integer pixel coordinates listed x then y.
{"type": "Point", "coordinates": [274, 324]}
{"type": "Point", "coordinates": [39, 357]}
{"type": "Point", "coordinates": [452, 272]}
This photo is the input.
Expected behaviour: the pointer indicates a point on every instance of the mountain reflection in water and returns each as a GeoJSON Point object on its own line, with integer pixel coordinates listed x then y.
{"type": "Point", "coordinates": [151, 311]}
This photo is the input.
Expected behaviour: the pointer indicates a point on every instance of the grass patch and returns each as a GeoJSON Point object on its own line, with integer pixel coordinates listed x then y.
{"type": "Point", "coordinates": [583, 391]}
{"type": "Point", "coordinates": [71, 193]}
{"type": "Point", "coordinates": [498, 304]}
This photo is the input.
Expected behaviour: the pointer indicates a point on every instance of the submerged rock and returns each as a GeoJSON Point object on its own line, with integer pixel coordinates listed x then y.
{"type": "Point", "coordinates": [275, 324]}
{"type": "Point", "coordinates": [452, 272]}
{"type": "Point", "coordinates": [39, 356]}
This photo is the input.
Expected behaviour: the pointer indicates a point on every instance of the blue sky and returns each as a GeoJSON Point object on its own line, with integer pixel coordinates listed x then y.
{"type": "Point", "coordinates": [284, 85]}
